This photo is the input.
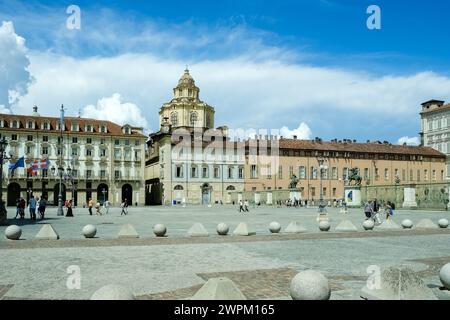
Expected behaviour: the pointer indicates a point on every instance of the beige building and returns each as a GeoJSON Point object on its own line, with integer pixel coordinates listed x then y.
{"type": "Point", "coordinates": [378, 164]}
{"type": "Point", "coordinates": [435, 123]}
{"type": "Point", "coordinates": [188, 161]}
{"type": "Point", "coordinates": [101, 160]}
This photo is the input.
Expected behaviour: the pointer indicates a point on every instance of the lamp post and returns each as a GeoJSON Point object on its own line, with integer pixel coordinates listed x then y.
{"type": "Point", "coordinates": [104, 195]}
{"type": "Point", "coordinates": [60, 168]}
{"type": "Point", "coordinates": [322, 206]}
{"type": "Point", "coordinates": [3, 212]}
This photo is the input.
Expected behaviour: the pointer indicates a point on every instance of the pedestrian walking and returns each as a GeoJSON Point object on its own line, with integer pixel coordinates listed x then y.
{"type": "Point", "coordinates": [32, 206]}
{"type": "Point", "coordinates": [388, 210]}
{"type": "Point", "coordinates": [241, 206]}
{"type": "Point", "coordinates": [42, 205]}
{"type": "Point", "coordinates": [22, 205]}
{"type": "Point", "coordinates": [368, 210]}
{"type": "Point", "coordinates": [17, 208]}
{"type": "Point", "coordinates": [69, 209]}
{"type": "Point", "coordinates": [90, 205]}
{"type": "Point", "coordinates": [246, 206]}
{"type": "Point", "coordinates": [106, 205]}
{"type": "Point", "coordinates": [124, 207]}
{"type": "Point", "coordinates": [98, 209]}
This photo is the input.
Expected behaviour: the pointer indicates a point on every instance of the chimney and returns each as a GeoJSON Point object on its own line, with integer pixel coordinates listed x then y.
{"type": "Point", "coordinates": [295, 137]}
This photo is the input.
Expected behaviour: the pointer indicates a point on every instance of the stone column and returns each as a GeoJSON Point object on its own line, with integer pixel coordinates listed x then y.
{"type": "Point", "coordinates": [409, 197]}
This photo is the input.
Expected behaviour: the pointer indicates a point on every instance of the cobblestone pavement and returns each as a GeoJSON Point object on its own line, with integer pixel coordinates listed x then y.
{"type": "Point", "coordinates": [177, 266]}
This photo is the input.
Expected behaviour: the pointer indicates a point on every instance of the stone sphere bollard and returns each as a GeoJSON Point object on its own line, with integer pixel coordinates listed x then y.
{"type": "Point", "coordinates": [310, 285]}
{"type": "Point", "coordinates": [89, 231]}
{"type": "Point", "coordinates": [444, 275]}
{"type": "Point", "coordinates": [222, 229]}
{"type": "Point", "coordinates": [112, 292]}
{"type": "Point", "coordinates": [159, 230]}
{"type": "Point", "coordinates": [443, 223]}
{"type": "Point", "coordinates": [368, 225]}
{"type": "Point", "coordinates": [13, 232]}
{"type": "Point", "coordinates": [324, 225]}
{"type": "Point", "coordinates": [274, 227]}
{"type": "Point", "coordinates": [407, 224]}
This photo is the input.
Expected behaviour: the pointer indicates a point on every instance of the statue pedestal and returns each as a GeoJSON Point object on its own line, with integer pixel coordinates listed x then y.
{"type": "Point", "coordinates": [409, 194]}
{"type": "Point", "coordinates": [353, 196]}
{"type": "Point", "coordinates": [295, 194]}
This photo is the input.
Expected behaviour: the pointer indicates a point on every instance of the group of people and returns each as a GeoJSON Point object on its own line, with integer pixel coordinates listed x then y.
{"type": "Point", "coordinates": [372, 209]}
{"type": "Point", "coordinates": [106, 206]}
{"type": "Point", "coordinates": [243, 206]}
{"type": "Point", "coordinates": [35, 205]}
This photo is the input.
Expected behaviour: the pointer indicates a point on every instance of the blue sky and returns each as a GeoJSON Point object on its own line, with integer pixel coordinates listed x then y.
{"type": "Point", "coordinates": [366, 84]}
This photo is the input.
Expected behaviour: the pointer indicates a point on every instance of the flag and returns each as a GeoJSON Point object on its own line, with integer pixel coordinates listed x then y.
{"type": "Point", "coordinates": [32, 171]}
{"type": "Point", "coordinates": [39, 165]}
{"type": "Point", "coordinates": [19, 164]}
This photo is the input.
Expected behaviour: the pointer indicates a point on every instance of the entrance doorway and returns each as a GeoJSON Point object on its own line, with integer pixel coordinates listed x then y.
{"type": "Point", "coordinates": [13, 194]}
{"type": "Point", "coordinates": [127, 193]}
{"type": "Point", "coordinates": [206, 194]}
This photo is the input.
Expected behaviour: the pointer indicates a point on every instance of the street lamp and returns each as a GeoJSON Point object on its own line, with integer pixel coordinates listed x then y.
{"type": "Point", "coordinates": [322, 207]}
{"type": "Point", "coordinates": [104, 195]}
{"type": "Point", "coordinates": [3, 212]}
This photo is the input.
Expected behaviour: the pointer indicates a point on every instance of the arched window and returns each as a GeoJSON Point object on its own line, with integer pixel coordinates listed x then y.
{"type": "Point", "coordinates": [178, 187]}
{"type": "Point", "coordinates": [15, 124]}
{"type": "Point", "coordinates": [174, 118]}
{"type": "Point", "coordinates": [231, 188]}
{"type": "Point", "coordinates": [194, 118]}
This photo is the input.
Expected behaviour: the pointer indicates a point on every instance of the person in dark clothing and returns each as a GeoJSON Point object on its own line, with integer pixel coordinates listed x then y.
{"type": "Point", "coordinates": [69, 209]}
{"type": "Point", "coordinates": [42, 205]}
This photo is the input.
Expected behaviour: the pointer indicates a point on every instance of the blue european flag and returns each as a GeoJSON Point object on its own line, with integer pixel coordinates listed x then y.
{"type": "Point", "coordinates": [19, 164]}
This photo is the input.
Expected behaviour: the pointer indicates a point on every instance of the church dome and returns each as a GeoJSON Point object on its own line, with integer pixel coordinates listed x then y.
{"type": "Point", "coordinates": [186, 80]}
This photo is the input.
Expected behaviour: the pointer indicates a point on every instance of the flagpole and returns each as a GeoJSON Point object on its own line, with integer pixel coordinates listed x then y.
{"type": "Point", "coordinates": [60, 168]}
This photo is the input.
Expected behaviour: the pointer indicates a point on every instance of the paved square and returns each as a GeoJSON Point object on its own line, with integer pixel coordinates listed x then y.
{"type": "Point", "coordinates": [175, 267]}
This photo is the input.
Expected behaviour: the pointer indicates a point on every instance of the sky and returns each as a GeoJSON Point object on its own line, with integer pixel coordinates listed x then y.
{"type": "Point", "coordinates": [309, 68]}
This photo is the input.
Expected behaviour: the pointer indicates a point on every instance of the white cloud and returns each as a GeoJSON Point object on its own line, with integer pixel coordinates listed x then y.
{"type": "Point", "coordinates": [14, 62]}
{"type": "Point", "coordinates": [411, 141]}
{"type": "Point", "coordinates": [302, 132]}
{"type": "Point", "coordinates": [114, 109]}
{"type": "Point", "coordinates": [4, 110]}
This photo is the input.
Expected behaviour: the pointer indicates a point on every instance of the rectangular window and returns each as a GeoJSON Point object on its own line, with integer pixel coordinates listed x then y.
{"type": "Point", "coordinates": [102, 141]}
{"type": "Point", "coordinates": [302, 172]}
{"type": "Point", "coordinates": [334, 192]}
{"type": "Point", "coordinates": [45, 138]}
{"type": "Point", "coordinates": [127, 155]}
{"type": "Point", "coordinates": [88, 174]}
{"type": "Point", "coordinates": [74, 139]}
{"type": "Point", "coordinates": [291, 171]}
{"type": "Point", "coordinates": [366, 174]}
{"type": "Point", "coordinates": [45, 150]}
{"type": "Point", "coordinates": [193, 172]}
{"type": "Point", "coordinates": [425, 173]}
{"type": "Point", "coordinates": [205, 172]}
{"type": "Point", "coordinates": [179, 172]}
{"type": "Point", "coordinates": [334, 173]}
{"type": "Point", "coordinates": [102, 152]}
{"type": "Point", "coordinates": [89, 140]}
{"type": "Point", "coordinates": [313, 192]}
{"type": "Point", "coordinates": [386, 174]}
{"type": "Point", "coordinates": [216, 173]}
{"type": "Point", "coordinates": [74, 151]}
{"type": "Point", "coordinates": [241, 173]}
{"type": "Point", "coordinates": [59, 151]}
{"type": "Point", "coordinates": [230, 172]}
{"type": "Point", "coordinates": [377, 174]}
{"type": "Point", "coordinates": [253, 172]}
{"type": "Point", "coordinates": [418, 175]}
{"type": "Point", "coordinates": [442, 174]}
{"type": "Point", "coordinates": [325, 174]}
{"type": "Point", "coordinates": [434, 175]}
{"type": "Point", "coordinates": [403, 174]}
{"type": "Point", "coordinates": [137, 143]}
{"type": "Point", "coordinates": [280, 172]}
{"type": "Point", "coordinates": [117, 142]}
{"type": "Point", "coordinates": [313, 173]}
{"type": "Point", "coordinates": [102, 174]}
{"type": "Point", "coordinates": [29, 137]}
{"type": "Point", "coordinates": [324, 192]}
{"type": "Point", "coordinates": [44, 173]}
{"type": "Point", "coordinates": [117, 154]}
{"type": "Point", "coordinates": [117, 174]}
{"type": "Point", "coordinates": [29, 149]}
{"type": "Point", "coordinates": [88, 152]}
{"type": "Point", "coordinates": [345, 174]}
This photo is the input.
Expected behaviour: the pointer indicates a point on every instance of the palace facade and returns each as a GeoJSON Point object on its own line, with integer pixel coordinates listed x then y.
{"type": "Point", "coordinates": [100, 159]}
{"type": "Point", "coordinates": [188, 161]}
{"type": "Point", "coordinates": [378, 164]}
